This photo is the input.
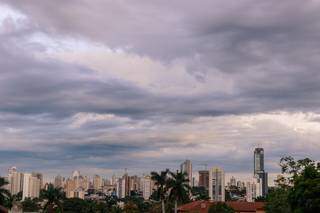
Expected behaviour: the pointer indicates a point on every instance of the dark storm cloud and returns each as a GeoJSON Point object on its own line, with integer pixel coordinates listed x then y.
{"type": "Point", "coordinates": [268, 49]}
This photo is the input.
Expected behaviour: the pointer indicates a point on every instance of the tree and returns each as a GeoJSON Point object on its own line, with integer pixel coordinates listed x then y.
{"type": "Point", "coordinates": [131, 207]}
{"type": "Point", "coordinates": [111, 201]}
{"type": "Point", "coordinates": [138, 202]}
{"type": "Point", "coordinates": [30, 205]}
{"type": "Point", "coordinates": [277, 201]}
{"type": "Point", "coordinates": [161, 181]}
{"type": "Point", "coordinates": [75, 205]}
{"type": "Point", "coordinates": [4, 193]}
{"type": "Point", "coordinates": [12, 199]}
{"type": "Point", "coordinates": [299, 190]}
{"type": "Point", "coordinates": [200, 193]}
{"type": "Point", "coordinates": [178, 186]}
{"type": "Point", "coordinates": [53, 197]}
{"type": "Point", "coordinates": [220, 208]}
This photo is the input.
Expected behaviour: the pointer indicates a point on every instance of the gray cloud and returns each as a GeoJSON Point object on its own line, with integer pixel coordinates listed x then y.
{"type": "Point", "coordinates": [267, 50]}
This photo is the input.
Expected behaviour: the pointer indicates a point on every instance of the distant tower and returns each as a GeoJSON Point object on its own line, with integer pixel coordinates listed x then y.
{"type": "Point", "coordinates": [204, 179]}
{"type": "Point", "coordinates": [259, 173]}
{"type": "Point", "coordinates": [187, 168]}
{"type": "Point", "coordinates": [216, 184]}
{"type": "Point", "coordinates": [258, 160]}
{"type": "Point", "coordinates": [75, 174]}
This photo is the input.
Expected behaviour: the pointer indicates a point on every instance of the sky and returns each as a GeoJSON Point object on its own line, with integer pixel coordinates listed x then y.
{"type": "Point", "coordinates": [102, 85]}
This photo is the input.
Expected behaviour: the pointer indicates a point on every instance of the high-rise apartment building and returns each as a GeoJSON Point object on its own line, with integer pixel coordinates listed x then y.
{"type": "Point", "coordinates": [97, 183]}
{"type": "Point", "coordinates": [146, 187]}
{"type": "Point", "coordinates": [15, 180]}
{"type": "Point", "coordinates": [204, 179]}
{"type": "Point", "coordinates": [134, 183]}
{"type": "Point", "coordinates": [31, 186]}
{"type": "Point", "coordinates": [186, 167]}
{"type": "Point", "coordinates": [216, 184]}
{"type": "Point", "coordinates": [40, 177]}
{"type": "Point", "coordinates": [58, 181]}
{"type": "Point", "coordinates": [259, 172]}
{"type": "Point", "coordinates": [251, 191]}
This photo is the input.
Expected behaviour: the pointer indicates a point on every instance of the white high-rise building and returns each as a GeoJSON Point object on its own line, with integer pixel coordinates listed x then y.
{"type": "Point", "coordinates": [15, 179]}
{"type": "Point", "coordinates": [250, 191]}
{"type": "Point", "coordinates": [216, 184]}
{"type": "Point", "coordinates": [187, 168]}
{"type": "Point", "coordinates": [31, 186]}
{"type": "Point", "coordinates": [121, 187]}
{"type": "Point", "coordinates": [146, 186]}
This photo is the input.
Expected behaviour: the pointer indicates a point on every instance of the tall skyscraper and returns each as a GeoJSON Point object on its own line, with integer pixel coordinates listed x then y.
{"type": "Point", "coordinates": [187, 168]}
{"type": "Point", "coordinates": [204, 179]}
{"type": "Point", "coordinates": [258, 160]}
{"type": "Point", "coordinates": [259, 173]}
{"type": "Point", "coordinates": [217, 184]}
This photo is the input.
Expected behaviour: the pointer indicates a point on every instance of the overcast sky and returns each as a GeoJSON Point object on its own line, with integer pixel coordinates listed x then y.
{"type": "Point", "coordinates": [102, 85]}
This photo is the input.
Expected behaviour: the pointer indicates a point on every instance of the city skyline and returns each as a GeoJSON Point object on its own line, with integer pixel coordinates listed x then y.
{"type": "Point", "coordinates": [145, 86]}
{"type": "Point", "coordinates": [211, 181]}
{"type": "Point", "coordinates": [193, 174]}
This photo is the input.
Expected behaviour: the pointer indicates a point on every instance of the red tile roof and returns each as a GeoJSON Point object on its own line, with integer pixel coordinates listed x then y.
{"type": "Point", "coordinates": [203, 206]}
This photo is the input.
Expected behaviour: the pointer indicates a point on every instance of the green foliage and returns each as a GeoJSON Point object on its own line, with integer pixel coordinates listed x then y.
{"type": "Point", "coordinates": [160, 181]}
{"type": "Point", "coordinates": [200, 193]}
{"type": "Point", "coordinates": [111, 201]}
{"type": "Point", "coordinates": [178, 185]}
{"type": "Point", "coordinates": [30, 205]}
{"type": "Point", "coordinates": [4, 193]}
{"type": "Point", "coordinates": [76, 205]}
{"type": "Point", "coordinates": [300, 191]}
{"type": "Point", "coordinates": [11, 199]}
{"type": "Point", "coordinates": [53, 197]}
{"type": "Point", "coordinates": [155, 196]}
{"type": "Point", "coordinates": [138, 203]}
{"type": "Point", "coordinates": [220, 208]}
{"type": "Point", "coordinates": [277, 201]}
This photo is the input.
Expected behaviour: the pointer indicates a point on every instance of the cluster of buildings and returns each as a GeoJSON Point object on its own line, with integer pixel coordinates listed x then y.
{"type": "Point", "coordinates": [82, 187]}
{"type": "Point", "coordinates": [27, 183]}
{"type": "Point", "coordinates": [213, 180]}
{"type": "Point", "coordinates": [79, 186]}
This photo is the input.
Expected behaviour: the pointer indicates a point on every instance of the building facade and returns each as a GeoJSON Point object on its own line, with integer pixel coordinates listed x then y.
{"type": "Point", "coordinates": [204, 179]}
{"type": "Point", "coordinates": [186, 167]}
{"type": "Point", "coordinates": [217, 184]}
{"type": "Point", "coordinates": [259, 173]}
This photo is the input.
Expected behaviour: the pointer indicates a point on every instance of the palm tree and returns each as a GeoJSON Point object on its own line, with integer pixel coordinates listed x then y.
{"type": "Point", "coordinates": [161, 181]}
{"type": "Point", "coordinates": [53, 196]}
{"type": "Point", "coordinates": [13, 199]}
{"type": "Point", "coordinates": [4, 193]}
{"type": "Point", "coordinates": [178, 187]}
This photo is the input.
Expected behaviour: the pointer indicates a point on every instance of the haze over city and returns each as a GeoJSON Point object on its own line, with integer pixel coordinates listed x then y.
{"type": "Point", "coordinates": [110, 85]}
